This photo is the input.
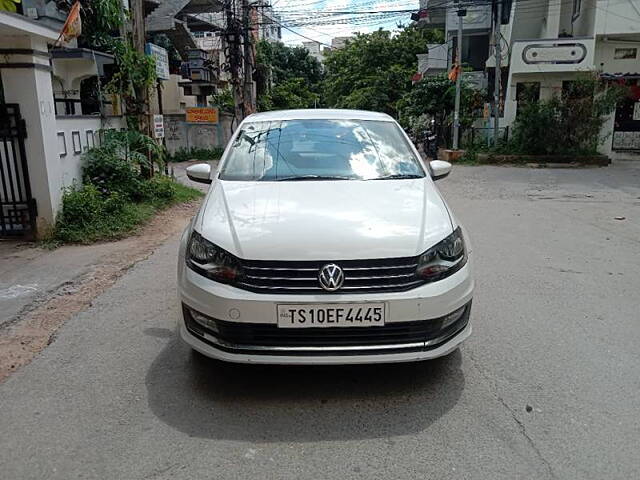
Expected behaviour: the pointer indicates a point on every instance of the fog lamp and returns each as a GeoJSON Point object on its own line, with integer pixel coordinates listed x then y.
{"type": "Point", "coordinates": [205, 321]}
{"type": "Point", "coordinates": [453, 317]}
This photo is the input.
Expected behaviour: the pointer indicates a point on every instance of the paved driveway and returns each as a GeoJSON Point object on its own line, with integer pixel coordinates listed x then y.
{"type": "Point", "coordinates": [547, 387]}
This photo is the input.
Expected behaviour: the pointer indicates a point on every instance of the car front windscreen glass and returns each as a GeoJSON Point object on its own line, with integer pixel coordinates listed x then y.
{"type": "Point", "coordinates": [292, 150]}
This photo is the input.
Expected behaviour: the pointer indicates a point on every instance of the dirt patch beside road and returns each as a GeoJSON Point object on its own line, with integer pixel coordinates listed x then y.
{"type": "Point", "coordinates": [34, 329]}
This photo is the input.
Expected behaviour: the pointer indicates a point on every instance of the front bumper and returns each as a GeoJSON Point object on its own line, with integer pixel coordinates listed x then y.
{"type": "Point", "coordinates": [231, 305]}
{"type": "Point", "coordinates": [284, 358]}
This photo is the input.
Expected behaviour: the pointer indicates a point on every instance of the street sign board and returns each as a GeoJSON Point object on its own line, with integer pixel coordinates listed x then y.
{"type": "Point", "coordinates": [202, 115]}
{"type": "Point", "coordinates": [162, 60]}
{"type": "Point", "coordinates": [158, 126]}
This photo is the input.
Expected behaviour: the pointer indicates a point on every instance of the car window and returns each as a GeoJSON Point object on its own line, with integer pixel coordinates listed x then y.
{"type": "Point", "coordinates": [320, 149]}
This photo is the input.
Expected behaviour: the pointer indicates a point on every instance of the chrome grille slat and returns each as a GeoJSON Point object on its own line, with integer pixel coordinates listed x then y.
{"type": "Point", "coordinates": [397, 285]}
{"type": "Point", "coordinates": [350, 269]}
{"type": "Point", "coordinates": [297, 279]}
{"type": "Point", "coordinates": [380, 277]}
{"type": "Point", "coordinates": [272, 287]}
{"type": "Point", "coordinates": [248, 267]}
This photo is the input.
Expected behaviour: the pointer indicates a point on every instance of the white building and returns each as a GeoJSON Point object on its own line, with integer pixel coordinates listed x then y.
{"type": "Point", "coordinates": [268, 22]}
{"type": "Point", "coordinates": [476, 30]}
{"type": "Point", "coordinates": [339, 42]}
{"type": "Point", "coordinates": [435, 61]}
{"type": "Point", "coordinates": [315, 50]}
{"type": "Point", "coordinates": [46, 120]}
{"type": "Point", "coordinates": [553, 42]}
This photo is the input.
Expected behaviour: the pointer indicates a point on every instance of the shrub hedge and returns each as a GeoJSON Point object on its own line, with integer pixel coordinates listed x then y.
{"type": "Point", "coordinates": [117, 194]}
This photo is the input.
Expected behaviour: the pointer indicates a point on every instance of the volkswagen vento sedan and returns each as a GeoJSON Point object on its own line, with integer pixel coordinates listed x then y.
{"type": "Point", "coordinates": [323, 240]}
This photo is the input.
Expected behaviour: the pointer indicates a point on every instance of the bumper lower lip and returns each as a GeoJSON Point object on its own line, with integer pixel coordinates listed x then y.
{"type": "Point", "coordinates": [287, 358]}
{"type": "Point", "coordinates": [213, 346]}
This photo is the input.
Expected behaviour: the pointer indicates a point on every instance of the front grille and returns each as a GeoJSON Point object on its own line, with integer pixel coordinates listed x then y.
{"type": "Point", "coordinates": [407, 335]}
{"type": "Point", "coordinates": [360, 276]}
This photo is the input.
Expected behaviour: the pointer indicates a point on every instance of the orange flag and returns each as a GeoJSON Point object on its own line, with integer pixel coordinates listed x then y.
{"type": "Point", "coordinates": [453, 74]}
{"type": "Point", "coordinates": [72, 27]}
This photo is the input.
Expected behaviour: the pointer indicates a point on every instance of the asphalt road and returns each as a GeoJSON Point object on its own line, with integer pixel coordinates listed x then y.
{"type": "Point", "coordinates": [547, 387]}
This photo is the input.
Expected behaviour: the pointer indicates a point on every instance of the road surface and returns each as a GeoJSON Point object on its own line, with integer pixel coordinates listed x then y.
{"type": "Point", "coordinates": [548, 386]}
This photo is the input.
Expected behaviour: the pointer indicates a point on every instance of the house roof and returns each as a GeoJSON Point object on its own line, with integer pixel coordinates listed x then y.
{"type": "Point", "coordinates": [15, 24]}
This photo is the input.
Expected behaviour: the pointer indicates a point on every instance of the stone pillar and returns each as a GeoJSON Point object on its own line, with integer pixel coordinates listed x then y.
{"type": "Point", "coordinates": [29, 85]}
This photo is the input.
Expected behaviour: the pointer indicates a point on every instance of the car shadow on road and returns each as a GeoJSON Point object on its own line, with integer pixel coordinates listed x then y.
{"type": "Point", "coordinates": [210, 399]}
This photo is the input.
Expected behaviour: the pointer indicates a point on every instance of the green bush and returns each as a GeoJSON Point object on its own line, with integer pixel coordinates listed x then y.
{"type": "Point", "coordinates": [536, 130]}
{"type": "Point", "coordinates": [122, 163]}
{"type": "Point", "coordinates": [184, 155]}
{"type": "Point", "coordinates": [120, 190]}
{"type": "Point", "coordinates": [569, 123]}
{"type": "Point", "coordinates": [88, 214]}
{"type": "Point", "coordinates": [159, 189]}
{"type": "Point", "coordinates": [110, 173]}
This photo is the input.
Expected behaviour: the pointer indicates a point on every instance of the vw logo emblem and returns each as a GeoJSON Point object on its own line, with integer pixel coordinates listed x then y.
{"type": "Point", "coordinates": [331, 277]}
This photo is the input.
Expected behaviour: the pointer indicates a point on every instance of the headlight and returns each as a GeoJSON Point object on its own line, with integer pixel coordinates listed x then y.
{"type": "Point", "coordinates": [443, 259]}
{"type": "Point", "coordinates": [212, 261]}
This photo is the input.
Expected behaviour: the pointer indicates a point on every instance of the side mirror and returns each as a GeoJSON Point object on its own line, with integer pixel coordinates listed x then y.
{"type": "Point", "coordinates": [439, 169]}
{"type": "Point", "coordinates": [200, 172]}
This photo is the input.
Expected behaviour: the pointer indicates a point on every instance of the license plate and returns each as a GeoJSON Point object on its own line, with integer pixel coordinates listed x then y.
{"type": "Point", "coordinates": [331, 315]}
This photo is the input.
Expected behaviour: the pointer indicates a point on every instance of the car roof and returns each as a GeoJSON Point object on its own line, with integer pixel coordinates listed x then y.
{"type": "Point", "coordinates": [319, 114]}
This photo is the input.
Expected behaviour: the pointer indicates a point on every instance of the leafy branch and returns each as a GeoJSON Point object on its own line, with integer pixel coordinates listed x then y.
{"type": "Point", "coordinates": [135, 72]}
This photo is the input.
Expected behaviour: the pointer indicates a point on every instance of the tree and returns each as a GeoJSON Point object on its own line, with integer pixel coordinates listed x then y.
{"type": "Point", "coordinates": [286, 77]}
{"type": "Point", "coordinates": [373, 71]}
{"type": "Point", "coordinates": [289, 62]}
{"type": "Point", "coordinates": [434, 96]}
{"type": "Point", "coordinates": [293, 93]}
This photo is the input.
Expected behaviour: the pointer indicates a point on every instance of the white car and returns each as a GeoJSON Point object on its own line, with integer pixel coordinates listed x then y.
{"type": "Point", "coordinates": [323, 240]}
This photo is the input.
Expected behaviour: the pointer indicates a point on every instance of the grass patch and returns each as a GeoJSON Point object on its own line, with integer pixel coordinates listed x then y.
{"type": "Point", "coordinates": [89, 215]}
{"type": "Point", "coordinates": [186, 194]}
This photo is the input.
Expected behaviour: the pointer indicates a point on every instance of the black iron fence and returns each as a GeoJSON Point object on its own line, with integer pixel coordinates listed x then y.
{"type": "Point", "coordinates": [472, 136]}
{"type": "Point", "coordinates": [17, 207]}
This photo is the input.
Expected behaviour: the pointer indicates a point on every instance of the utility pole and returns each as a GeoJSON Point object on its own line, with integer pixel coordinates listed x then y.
{"type": "Point", "coordinates": [456, 115]}
{"type": "Point", "coordinates": [138, 36]}
{"type": "Point", "coordinates": [232, 52]}
{"type": "Point", "coordinates": [249, 103]}
{"type": "Point", "coordinates": [498, 72]}
{"type": "Point", "coordinates": [240, 56]}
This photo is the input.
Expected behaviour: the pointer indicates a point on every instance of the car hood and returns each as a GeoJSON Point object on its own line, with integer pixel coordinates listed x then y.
{"type": "Point", "coordinates": [324, 220]}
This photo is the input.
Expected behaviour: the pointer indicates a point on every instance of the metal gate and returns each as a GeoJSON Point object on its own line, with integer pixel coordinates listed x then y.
{"type": "Point", "coordinates": [17, 207]}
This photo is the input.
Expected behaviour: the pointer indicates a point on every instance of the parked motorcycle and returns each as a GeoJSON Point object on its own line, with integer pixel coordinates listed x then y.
{"type": "Point", "coordinates": [430, 145]}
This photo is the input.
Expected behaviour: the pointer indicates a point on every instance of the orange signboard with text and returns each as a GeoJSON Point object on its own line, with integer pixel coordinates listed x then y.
{"type": "Point", "coordinates": [202, 115]}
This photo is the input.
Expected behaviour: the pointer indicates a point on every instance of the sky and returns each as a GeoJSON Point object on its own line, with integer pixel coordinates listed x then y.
{"type": "Point", "coordinates": [324, 33]}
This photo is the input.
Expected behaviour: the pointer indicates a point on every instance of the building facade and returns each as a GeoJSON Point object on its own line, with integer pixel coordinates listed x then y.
{"type": "Point", "coordinates": [50, 114]}
{"type": "Point", "coordinates": [559, 40]}
{"type": "Point", "coordinates": [544, 45]}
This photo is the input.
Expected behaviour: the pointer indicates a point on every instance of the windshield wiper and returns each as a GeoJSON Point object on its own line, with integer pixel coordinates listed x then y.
{"type": "Point", "coordinates": [313, 177]}
{"type": "Point", "coordinates": [398, 176]}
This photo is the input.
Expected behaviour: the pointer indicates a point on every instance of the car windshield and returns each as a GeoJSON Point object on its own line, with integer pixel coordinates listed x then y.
{"type": "Point", "coordinates": [299, 150]}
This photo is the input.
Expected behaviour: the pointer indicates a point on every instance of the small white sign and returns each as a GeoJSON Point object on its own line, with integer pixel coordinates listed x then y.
{"type": "Point", "coordinates": [636, 111]}
{"type": "Point", "coordinates": [158, 126]}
